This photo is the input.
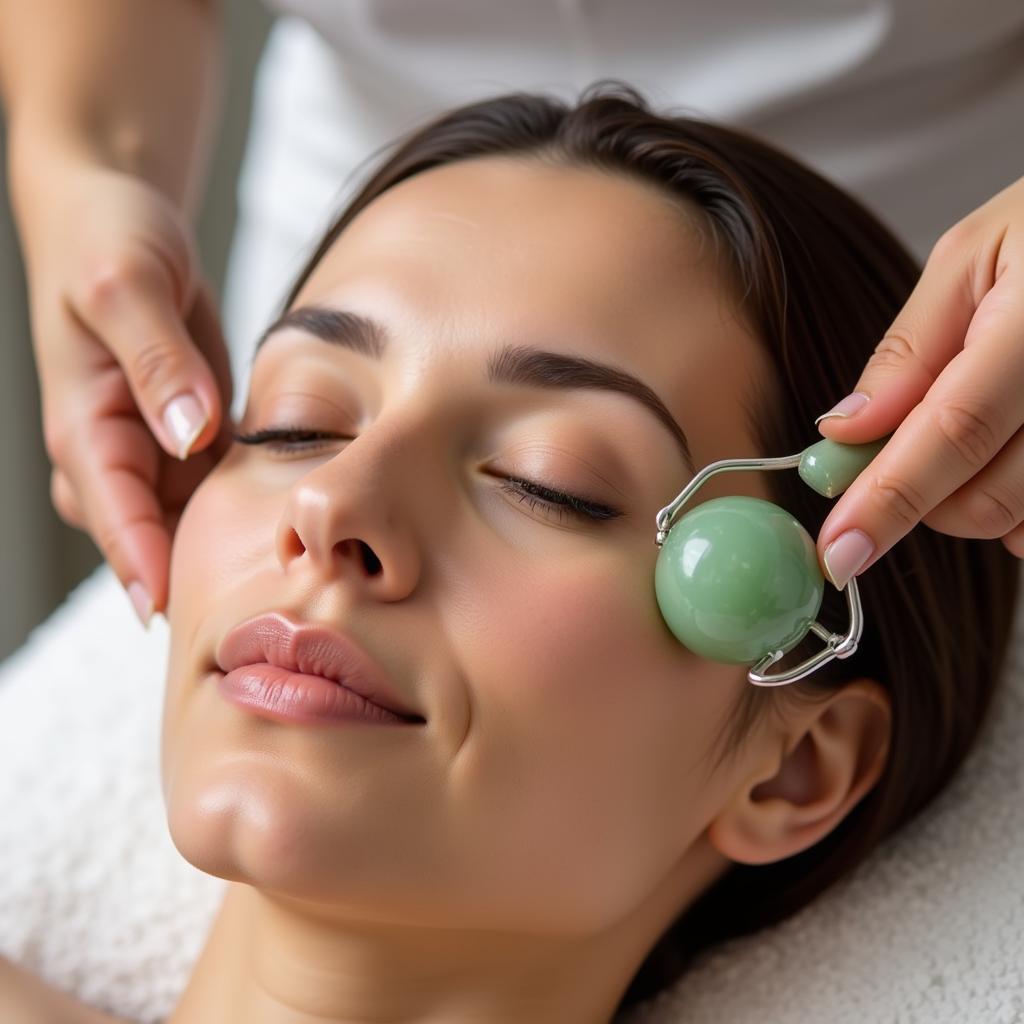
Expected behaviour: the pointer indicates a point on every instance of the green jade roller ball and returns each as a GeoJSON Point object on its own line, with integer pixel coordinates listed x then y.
{"type": "Point", "coordinates": [737, 578]}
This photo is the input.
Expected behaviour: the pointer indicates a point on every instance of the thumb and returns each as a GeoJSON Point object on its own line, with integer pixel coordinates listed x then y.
{"type": "Point", "coordinates": [134, 313]}
{"type": "Point", "coordinates": [927, 333]}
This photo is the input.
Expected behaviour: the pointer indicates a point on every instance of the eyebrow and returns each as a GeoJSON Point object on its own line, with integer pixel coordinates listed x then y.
{"type": "Point", "coordinates": [513, 364]}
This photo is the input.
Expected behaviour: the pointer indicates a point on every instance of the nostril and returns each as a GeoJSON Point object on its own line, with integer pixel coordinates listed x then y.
{"type": "Point", "coordinates": [293, 546]}
{"type": "Point", "coordinates": [371, 561]}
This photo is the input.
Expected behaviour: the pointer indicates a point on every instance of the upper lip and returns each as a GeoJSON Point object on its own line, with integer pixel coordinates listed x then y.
{"type": "Point", "coordinates": [278, 640]}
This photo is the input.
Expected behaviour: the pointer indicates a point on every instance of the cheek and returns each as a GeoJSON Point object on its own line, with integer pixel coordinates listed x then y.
{"type": "Point", "coordinates": [589, 721]}
{"type": "Point", "coordinates": [576, 618]}
{"type": "Point", "coordinates": [578, 635]}
{"type": "Point", "coordinates": [221, 535]}
{"type": "Point", "coordinates": [223, 532]}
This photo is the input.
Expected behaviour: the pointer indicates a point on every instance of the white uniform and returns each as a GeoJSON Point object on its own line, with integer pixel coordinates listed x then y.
{"type": "Point", "coordinates": [916, 106]}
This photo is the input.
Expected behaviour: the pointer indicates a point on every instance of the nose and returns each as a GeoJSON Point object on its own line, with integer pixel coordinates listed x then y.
{"type": "Point", "coordinates": [349, 520]}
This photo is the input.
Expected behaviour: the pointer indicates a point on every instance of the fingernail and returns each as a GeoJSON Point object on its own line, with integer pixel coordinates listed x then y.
{"type": "Point", "coordinates": [846, 554]}
{"type": "Point", "coordinates": [184, 419]}
{"type": "Point", "coordinates": [142, 601]}
{"type": "Point", "coordinates": [846, 408]}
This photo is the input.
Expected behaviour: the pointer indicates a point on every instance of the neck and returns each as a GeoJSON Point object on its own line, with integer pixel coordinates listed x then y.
{"type": "Point", "coordinates": [275, 960]}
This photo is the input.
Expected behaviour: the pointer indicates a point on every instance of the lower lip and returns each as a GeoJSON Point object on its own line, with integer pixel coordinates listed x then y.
{"type": "Point", "coordinates": [285, 696]}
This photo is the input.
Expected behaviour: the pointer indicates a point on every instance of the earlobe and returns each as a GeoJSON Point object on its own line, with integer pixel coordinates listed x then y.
{"type": "Point", "coordinates": [808, 775]}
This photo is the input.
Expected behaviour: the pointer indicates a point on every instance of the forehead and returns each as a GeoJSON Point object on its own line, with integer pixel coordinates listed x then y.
{"type": "Point", "coordinates": [470, 255]}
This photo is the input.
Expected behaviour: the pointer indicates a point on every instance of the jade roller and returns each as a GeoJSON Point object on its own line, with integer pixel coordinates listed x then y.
{"type": "Point", "coordinates": [737, 578]}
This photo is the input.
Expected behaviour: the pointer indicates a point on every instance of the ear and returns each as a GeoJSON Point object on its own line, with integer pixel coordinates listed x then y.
{"type": "Point", "coordinates": [809, 774]}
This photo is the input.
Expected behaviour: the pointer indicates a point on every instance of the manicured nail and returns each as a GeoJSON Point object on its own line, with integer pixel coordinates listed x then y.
{"type": "Point", "coordinates": [846, 554]}
{"type": "Point", "coordinates": [184, 419]}
{"type": "Point", "coordinates": [142, 601]}
{"type": "Point", "coordinates": [846, 408]}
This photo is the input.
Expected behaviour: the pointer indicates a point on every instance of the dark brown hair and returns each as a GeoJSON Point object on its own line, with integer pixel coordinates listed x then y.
{"type": "Point", "coordinates": [820, 280]}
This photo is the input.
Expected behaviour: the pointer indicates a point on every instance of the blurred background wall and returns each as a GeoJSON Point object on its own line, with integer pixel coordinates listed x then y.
{"type": "Point", "coordinates": [41, 559]}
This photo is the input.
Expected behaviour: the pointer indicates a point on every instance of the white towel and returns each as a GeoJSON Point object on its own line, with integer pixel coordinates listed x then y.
{"type": "Point", "coordinates": [95, 899]}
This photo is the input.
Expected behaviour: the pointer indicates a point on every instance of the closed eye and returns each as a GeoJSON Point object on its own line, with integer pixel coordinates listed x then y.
{"type": "Point", "coordinates": [558, 501]}
{"type": "Point", "coordinates": [284, 438]}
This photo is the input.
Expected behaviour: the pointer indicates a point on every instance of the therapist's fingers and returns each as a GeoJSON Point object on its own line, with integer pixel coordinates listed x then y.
{"type": "Point", "coordinates": [132, 364]}
{"type": "Point", "coordinates": [948, 381]}
{"type": "Point", "coordinates": [131, 492]}
{"type": "Point", "coordinates": [116, 465]}
{"type": "Point", "coordinates": [993, 499]}
{"type": "Point", "coordinates": [111, 477]}
{"type": "Point", "coordinates": [135, 306]}
{"type": "Point", "coordinates": [130, 496]}
{"type": "Point", "coordinates": [64, 499]}
{"type": "Point", "coordinates": [1014, 541]}
{"type": "Point", "coordinates": [204, 327]}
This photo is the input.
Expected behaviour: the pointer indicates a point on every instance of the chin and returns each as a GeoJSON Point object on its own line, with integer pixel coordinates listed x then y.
{"type": "Point", "coordinates": [238, 830]}
{"type": "Point", "coordinates": [206, 836]}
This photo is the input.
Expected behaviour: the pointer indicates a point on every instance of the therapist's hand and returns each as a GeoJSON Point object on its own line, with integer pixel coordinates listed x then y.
{"type": "Point", "coordinates": [948, 378]}
{"type": "Point", "coordinates": [134, 373]}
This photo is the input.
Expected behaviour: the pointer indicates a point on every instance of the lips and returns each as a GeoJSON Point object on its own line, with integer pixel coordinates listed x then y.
{"type": "Point", "coordinates": [275, 639]}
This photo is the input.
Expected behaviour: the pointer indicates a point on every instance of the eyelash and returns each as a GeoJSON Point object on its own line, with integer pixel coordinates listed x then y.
{"type": "Point", "coordinates": [294, 438]}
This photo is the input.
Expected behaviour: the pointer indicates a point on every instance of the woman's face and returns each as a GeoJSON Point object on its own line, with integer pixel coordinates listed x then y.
{"type": "Point", "coordinates": [561, 778]}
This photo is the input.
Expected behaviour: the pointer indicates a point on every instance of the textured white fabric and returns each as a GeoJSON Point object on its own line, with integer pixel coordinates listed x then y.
{"type": "Point", "coordinates": [94, 897]}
